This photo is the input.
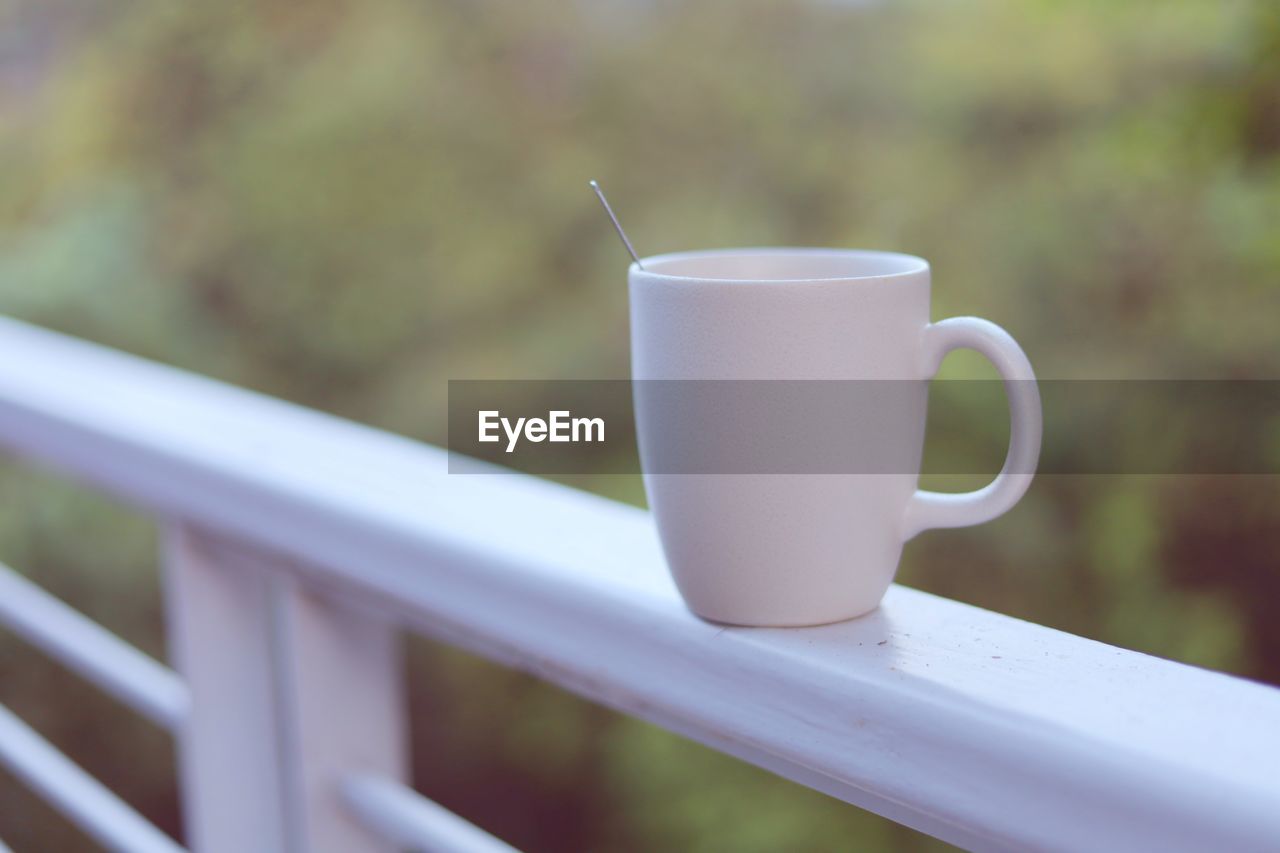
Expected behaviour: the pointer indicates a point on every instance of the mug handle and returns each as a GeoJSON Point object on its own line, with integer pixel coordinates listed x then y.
{"type": "Point", "coordinates": [927, 510]}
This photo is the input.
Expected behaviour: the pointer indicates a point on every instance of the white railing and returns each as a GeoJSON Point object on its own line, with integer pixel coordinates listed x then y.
{"type": "Point", "coordinates": [297, 546]}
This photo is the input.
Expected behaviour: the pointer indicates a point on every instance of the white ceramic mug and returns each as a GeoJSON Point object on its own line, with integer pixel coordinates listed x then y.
{"type": "Point", "coordinates": [806, 549]}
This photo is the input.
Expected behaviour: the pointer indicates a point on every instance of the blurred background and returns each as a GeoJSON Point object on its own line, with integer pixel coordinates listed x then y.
{"type": "Point", "coordinates": [346, 204]}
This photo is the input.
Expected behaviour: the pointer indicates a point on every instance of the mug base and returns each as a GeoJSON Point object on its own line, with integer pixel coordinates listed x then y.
{"type": "Point", "coordinates": [778, 621]}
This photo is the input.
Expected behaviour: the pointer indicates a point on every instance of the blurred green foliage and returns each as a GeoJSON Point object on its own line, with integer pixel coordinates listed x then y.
{"type": "Point", "coordinates": [347, 204]}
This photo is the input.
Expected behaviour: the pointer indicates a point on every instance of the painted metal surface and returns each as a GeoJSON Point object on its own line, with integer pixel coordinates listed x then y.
{"type": "Point", "coordinates": [72, 791]}
{"type": "Point", "coordinates": [411, 821]}
{"type": "Point", "coordinates": [221, 639]}
{"type": "Point", "coordinates": [292, 691]}
{"type": "Point", "coordinates": [90, 650]}
{"type": "Point", "coordinates": [340, 684]}
{"type": "Point", "coordinates": [978, 728]}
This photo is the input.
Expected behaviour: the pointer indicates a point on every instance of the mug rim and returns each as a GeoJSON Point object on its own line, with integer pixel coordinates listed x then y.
{"type": "Point", "coordinates": [905, 265]}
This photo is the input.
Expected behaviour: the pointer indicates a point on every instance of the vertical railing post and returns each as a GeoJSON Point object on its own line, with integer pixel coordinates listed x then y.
{"type": "Point", "coordinates": [341, 689]}
{"type": "Point", "coordinates": [221, 639]}
{"type": "Point", "coordinates": [290, 692]}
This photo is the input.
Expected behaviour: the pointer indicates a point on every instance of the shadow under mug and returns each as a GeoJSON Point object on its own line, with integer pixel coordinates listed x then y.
{"type": "Point", "coordinates": [791, 549]}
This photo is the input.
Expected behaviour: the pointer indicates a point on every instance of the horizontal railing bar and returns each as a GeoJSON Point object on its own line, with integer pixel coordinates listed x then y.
{"type": "Point", "coordinates": [75, 793]}
{"type": "Point", "coordinates": [983, 730]}
{"type": "Point", "coordinates": [409, 820]}
{"type": "Point", "coordinates": [90, 650]}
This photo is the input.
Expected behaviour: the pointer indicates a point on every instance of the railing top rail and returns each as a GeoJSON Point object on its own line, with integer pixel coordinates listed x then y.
{"type": "Point", "coordinates": [975, 727]}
